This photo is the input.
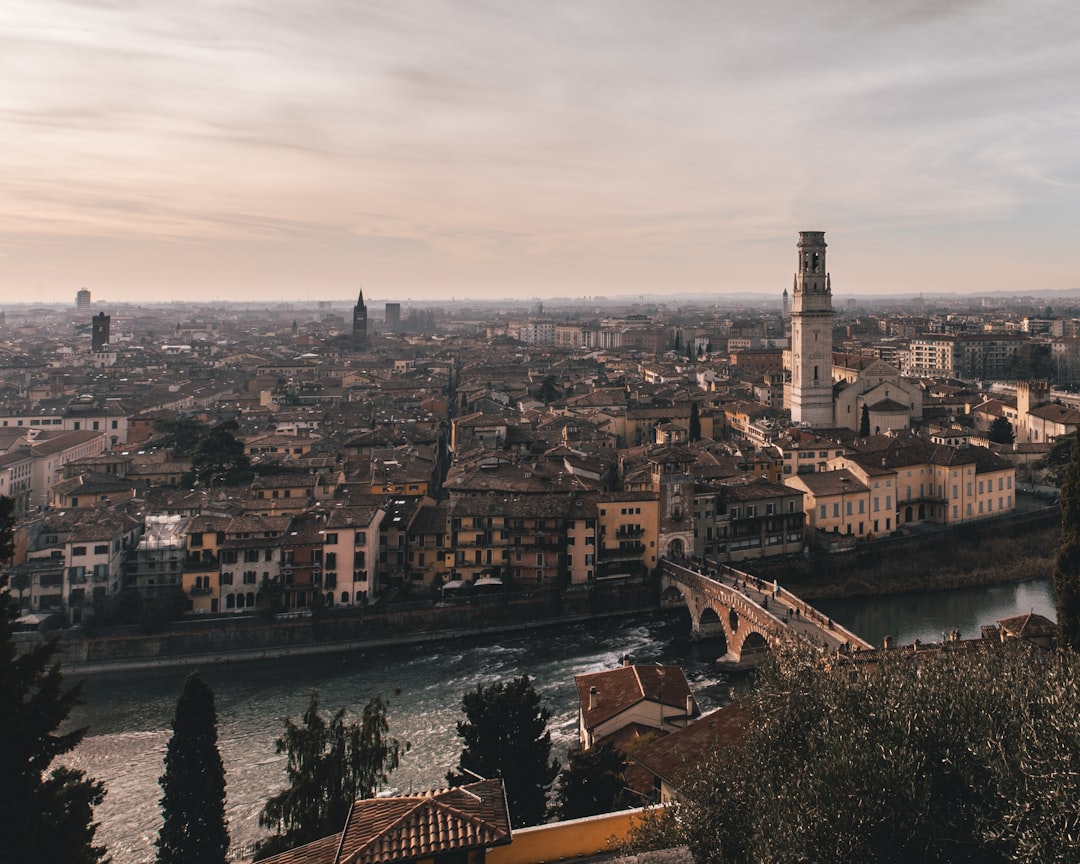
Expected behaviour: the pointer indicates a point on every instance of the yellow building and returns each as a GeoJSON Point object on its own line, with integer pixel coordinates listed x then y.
{"type": "Point", "coordinates": [629, 526]}
{"type": "Point", "coordinates": [835, 502]}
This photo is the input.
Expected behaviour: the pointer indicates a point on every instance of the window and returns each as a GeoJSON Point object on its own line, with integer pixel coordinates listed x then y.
{"type": "Point", "coordinates": [331, 538]}
{"type": "Point", "coordinates": [76, 551]}
{"type": "Point", "coordinates": [824, 512]}
{"type": "Point", "coordinates": [836, 510]}
{"type": "Point", "coordinates": [101, 549]}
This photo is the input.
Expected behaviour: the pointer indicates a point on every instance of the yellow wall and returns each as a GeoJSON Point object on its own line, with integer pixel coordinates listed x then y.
{"type": "Point", "coordinates": [572, 839]}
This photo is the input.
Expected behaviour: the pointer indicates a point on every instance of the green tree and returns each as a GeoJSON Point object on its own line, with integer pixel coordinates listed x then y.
{"type": "Point", "coordinates": [945, 756]}
{"type": "Point", "coordinates": [1032, 362]}
{"type": "Point", "coordinates": [695, 422]}
{"type": "Point", "coordinates": [505, 735]}
{"type": "Point", "coordinates": [7, 530]}
{"type": "Point", "coordinates": [181, 433]}
{"type": "Point", "coordinates": [592, 783]}
{"type": "Point", "coordinates": [46, 812]}
{"type": "Point", "coordinates": [219, 458]}
{"type": "Point", "coordinates": [1001, 431]}
{"type": "Point", "coordinates": [194, 830]}
{"type": "Point", "coordinates": [549, 390]}
{"type": "Point", "coordinates": [1057, 460]}
{"type": "Point", "coordinates": [331, 763]}
{"type": "Point", "coordinates": [864, 422]}
{"type": "Point", "coordinates": [1067, 559]}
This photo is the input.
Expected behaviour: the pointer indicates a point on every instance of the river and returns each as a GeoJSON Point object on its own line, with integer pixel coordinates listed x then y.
{"type": "Point", "coordinates": [129, 715]}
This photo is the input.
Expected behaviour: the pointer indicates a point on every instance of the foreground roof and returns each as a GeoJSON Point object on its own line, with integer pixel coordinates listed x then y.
{"type": "Point", "coordinates": [385, 830]}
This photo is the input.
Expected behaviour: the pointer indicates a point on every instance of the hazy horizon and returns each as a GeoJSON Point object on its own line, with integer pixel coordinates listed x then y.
{"type": "Point", "coordinates": [425, 149]}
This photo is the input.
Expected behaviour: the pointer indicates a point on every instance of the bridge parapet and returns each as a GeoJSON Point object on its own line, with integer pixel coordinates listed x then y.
{"type": "Point", "coordinates": [748, 605]}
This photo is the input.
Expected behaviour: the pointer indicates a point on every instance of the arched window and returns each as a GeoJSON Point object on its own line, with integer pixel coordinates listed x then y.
{"type": "Point", "coordinates": [345, 597]}
{"type": "Point", "coordinates": [230, 601]}
{"type": "Point", "coordinates": [251, 599]}
{"type": "Point", "coordinates": [329, 598]}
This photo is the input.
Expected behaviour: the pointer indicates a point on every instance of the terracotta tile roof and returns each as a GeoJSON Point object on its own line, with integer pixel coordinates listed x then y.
{"type": "Point", "coordinates": [1029, 626]}
{"type": "Point", "coordinates": [385, 830]}
{"type": "Point", "coordinates": [672, 757]}
{"type": "Point", "coordinates": [619, 689]}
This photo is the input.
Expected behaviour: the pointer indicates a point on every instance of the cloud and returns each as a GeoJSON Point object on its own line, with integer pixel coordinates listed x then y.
{"type": "Point", "coordinates": [482, 135]}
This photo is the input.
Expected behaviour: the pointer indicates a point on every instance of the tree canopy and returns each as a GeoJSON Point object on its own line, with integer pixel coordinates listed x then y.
{"type": "Point", "coordinates": [7, 530]}
{"type": "Point", "coordinates": [505, 735]}
{"type": "Point", "coordinates": [46, 811]}
{"type": "Point", "coordinates": [194, 829]}
{"type": "Point", "coordinates": [1001, 431]}
{"type": "Point", "coordinates": [331, 763]}
{"type": "Point", "coordinates": [592, 783]}
{"type": "Point", "coordinates": [1067, 559]}
{"type": "Point", "coordinates": [944, 756]}
{"type": "Point", "coordinates": [695, 422]}
{"type": "Point", "coordinates": [219, 459]}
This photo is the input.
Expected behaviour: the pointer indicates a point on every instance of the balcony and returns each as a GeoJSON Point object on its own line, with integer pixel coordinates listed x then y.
{"type": "Point", "coordinates": [630, 531]}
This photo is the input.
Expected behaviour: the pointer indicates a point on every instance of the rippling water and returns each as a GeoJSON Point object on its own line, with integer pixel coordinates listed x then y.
{"type": "Point", "coordinates": [129, 715]}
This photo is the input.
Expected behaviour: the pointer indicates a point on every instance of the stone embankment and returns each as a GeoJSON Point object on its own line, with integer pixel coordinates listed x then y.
{"type": "Point", "coordinates": [1015, 548]}
{"type": "Point", "coordinates": [240, 638]}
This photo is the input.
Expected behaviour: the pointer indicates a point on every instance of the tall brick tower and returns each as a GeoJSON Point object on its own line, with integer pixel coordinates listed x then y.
{"type": "Point", "coordinates": [359, 324]}
{"type": "Point", "coordinates": [99, 335]}
{"type": "Point", "coordinates": [809, 394]}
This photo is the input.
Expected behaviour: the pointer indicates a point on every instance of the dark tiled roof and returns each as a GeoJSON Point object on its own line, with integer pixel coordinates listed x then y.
{"type": "Point", "coordinates": [619, 689]}
{"type": "Point", "coordinates": [674, 755]}
{"type": "Point", "coordinates": [385, 830]}
{"type": "Point", "coordinates": [1029, 626]}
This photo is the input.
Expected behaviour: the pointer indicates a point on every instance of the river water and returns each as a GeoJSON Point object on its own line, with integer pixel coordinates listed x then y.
{"type": "Point", "coordinates": [129, 715]}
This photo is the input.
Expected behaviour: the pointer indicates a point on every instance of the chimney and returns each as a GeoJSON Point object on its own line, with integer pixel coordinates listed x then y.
{"type": "Point", "coordinates": [592, 698]}
{"type": "Point", "coordinates": [888, 642]}
{"type": "Point", "coordinates": [626, 660]}
{"type": "Point", "coordinates": [689, 706]}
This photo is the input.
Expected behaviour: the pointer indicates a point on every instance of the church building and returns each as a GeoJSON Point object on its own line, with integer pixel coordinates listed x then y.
{"type": "Point", "coordinates": [827, 391]}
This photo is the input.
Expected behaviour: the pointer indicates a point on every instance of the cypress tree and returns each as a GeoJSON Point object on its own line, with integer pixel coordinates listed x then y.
{"type": "Point", "coordinates": [1067, 560]}
{"type": "Point", "coordinates": [864, 422]}
{"type": "Point", "coordinates": [194, 830]}
{"type": "Point", "coordinates": [505, 735]}
{"type": "Point", "coordinates": [695, 422]}
{"type": "Point", "coordinates": [46, 813]}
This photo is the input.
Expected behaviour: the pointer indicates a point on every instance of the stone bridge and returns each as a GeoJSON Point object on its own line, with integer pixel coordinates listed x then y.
{"type": "Point", "coordinates": [748, 614]}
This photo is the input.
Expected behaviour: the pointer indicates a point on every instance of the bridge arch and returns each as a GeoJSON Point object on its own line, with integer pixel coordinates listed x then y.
{"type": "Point", "coordinates": [675, 548]}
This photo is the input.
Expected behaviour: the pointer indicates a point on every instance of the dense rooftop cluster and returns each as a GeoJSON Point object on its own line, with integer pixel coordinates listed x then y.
{"type": "Point", "coordinates": [460, 448]}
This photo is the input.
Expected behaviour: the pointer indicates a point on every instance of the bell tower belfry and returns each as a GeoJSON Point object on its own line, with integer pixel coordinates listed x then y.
{"type": "Point", "coordinates": [809, 393]}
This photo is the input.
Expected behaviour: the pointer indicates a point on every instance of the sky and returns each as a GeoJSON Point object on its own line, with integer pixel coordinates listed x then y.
{"type": "Point", "coordinates": [256, 150]}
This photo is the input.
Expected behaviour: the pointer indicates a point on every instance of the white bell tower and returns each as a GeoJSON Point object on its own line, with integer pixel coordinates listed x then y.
{"type": "Point", "coordinates": [809, 394]}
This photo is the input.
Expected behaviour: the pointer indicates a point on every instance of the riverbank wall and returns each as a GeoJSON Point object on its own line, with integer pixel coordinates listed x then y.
{"type": "Point", "coordinates": [246, 638]}
{"type": "Point", "coordinates": [1013, 548]}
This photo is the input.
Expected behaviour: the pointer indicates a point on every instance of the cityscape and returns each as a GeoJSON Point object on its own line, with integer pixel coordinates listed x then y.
{"type": "Point", "coordinates": [453, 432]}
{"type": "Point", "coordinates": [333, 476]}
